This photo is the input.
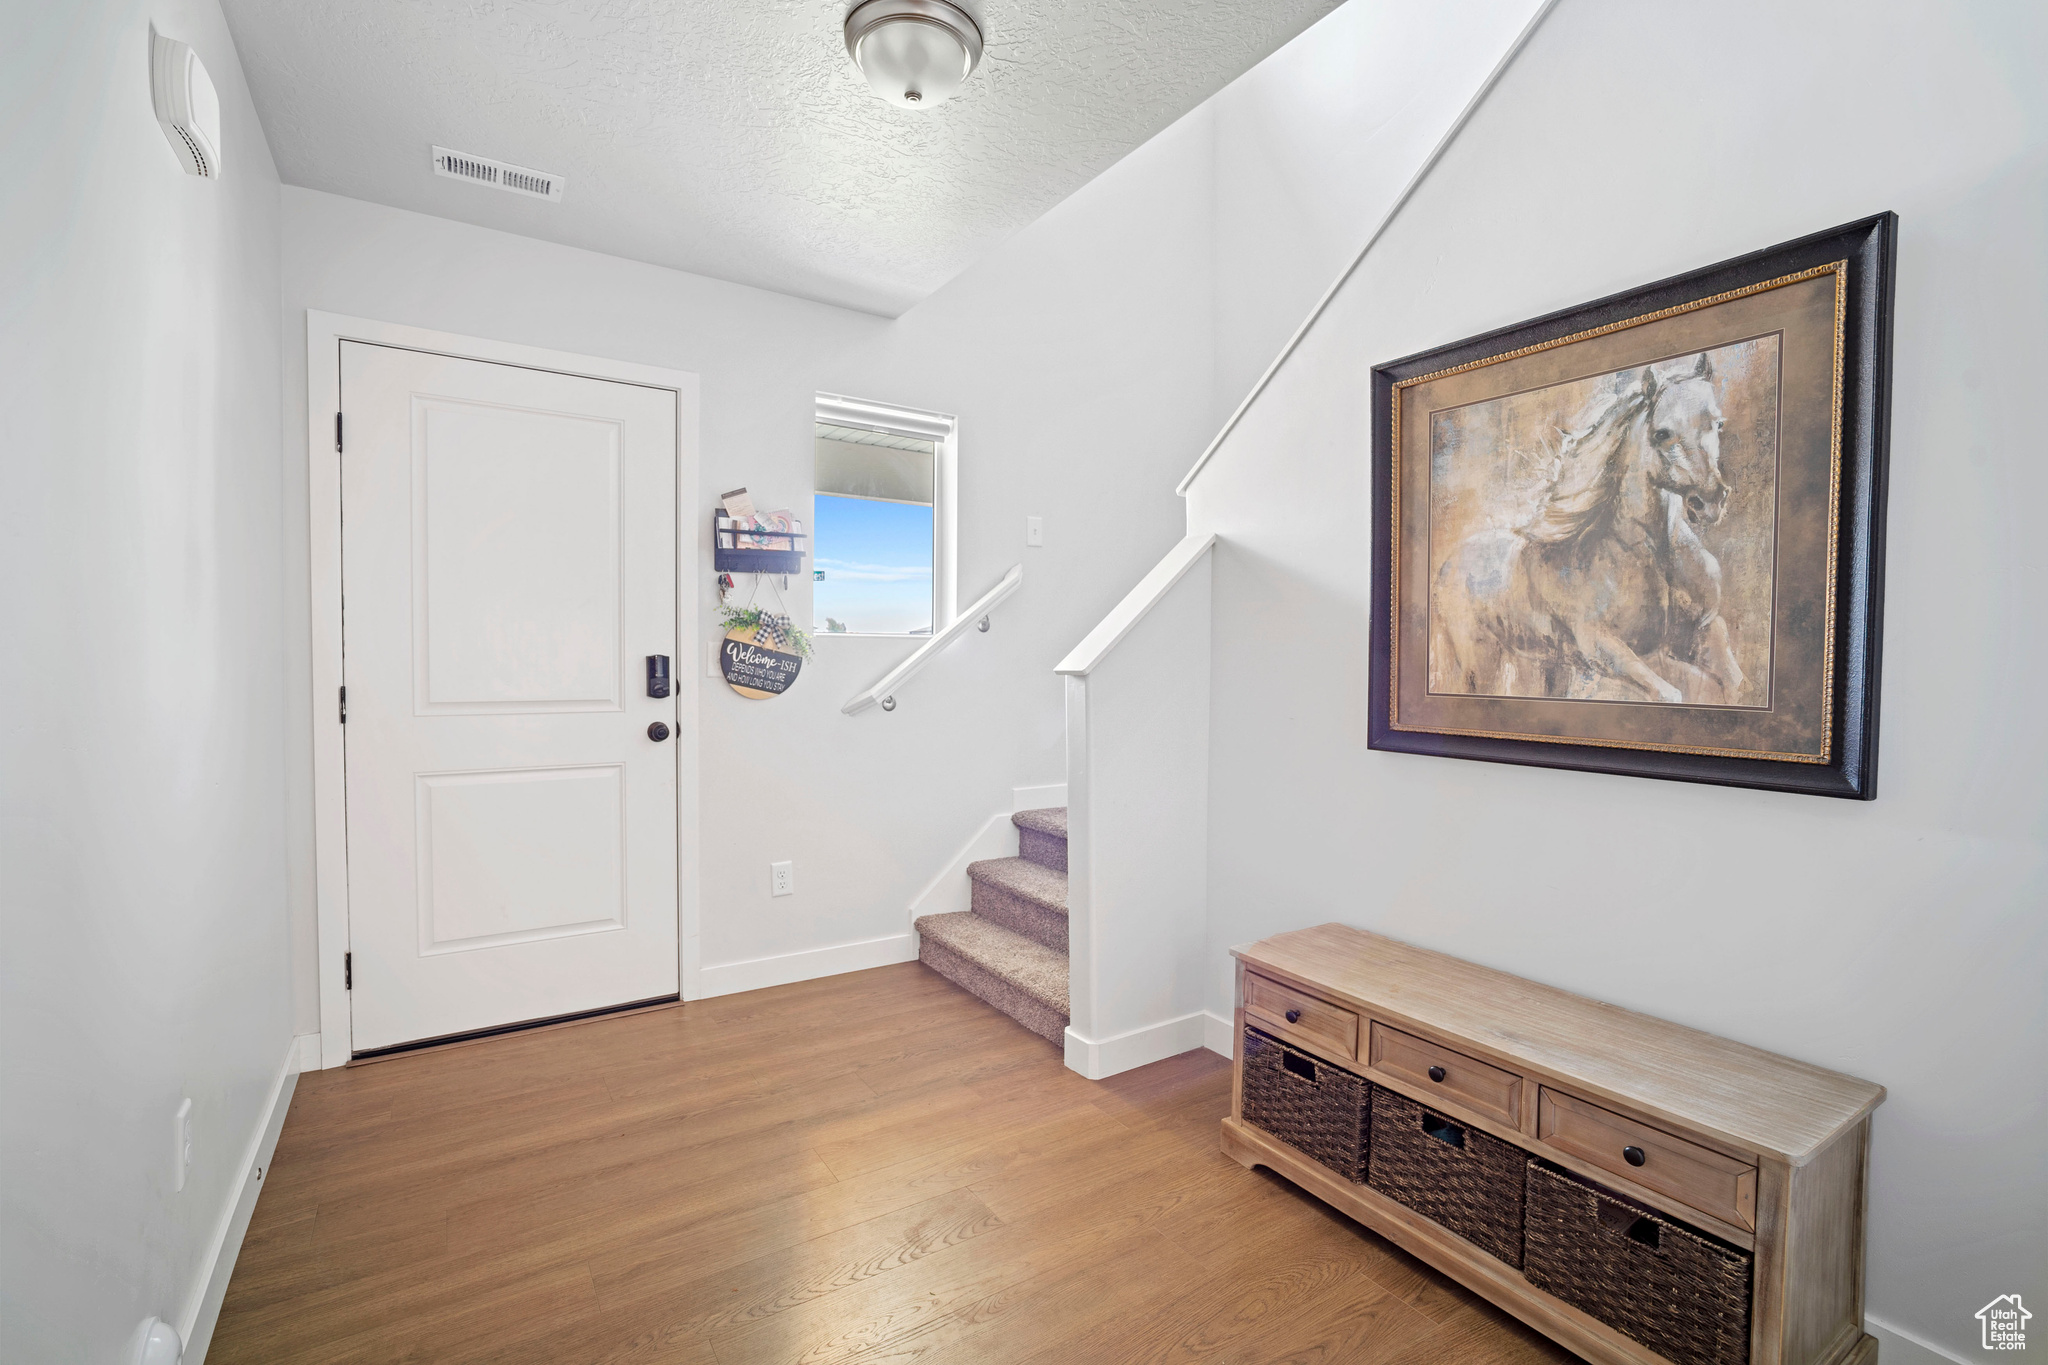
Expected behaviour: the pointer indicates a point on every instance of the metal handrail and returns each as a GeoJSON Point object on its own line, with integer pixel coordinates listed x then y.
{"type": "Point", "coordinates": [883, 693]}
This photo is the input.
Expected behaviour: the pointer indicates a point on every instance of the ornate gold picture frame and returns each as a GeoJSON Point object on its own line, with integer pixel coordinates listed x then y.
{"type": "Point", "coordinates": [1645, 535]}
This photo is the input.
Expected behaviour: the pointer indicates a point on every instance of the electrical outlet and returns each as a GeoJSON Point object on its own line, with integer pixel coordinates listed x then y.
{"type": "Point", "coordinates": [1034, 531]}
{"type": "Point", "coordinates": [181, 1131]}
{"type": "Point", "coordinates": [782, 879]}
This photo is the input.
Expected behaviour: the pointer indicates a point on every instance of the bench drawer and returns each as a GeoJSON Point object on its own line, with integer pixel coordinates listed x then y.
{"type": "Point", "coordinates": [1451, 1076]}
{"type": "Point", "coordinates": [1323, 1028]}
{"type": "Point", "coordinates": [1696, 1176]}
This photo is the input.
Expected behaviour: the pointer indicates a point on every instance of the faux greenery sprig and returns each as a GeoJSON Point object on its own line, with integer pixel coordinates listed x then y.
{"type": "Point", "coordinates": [771, 628]}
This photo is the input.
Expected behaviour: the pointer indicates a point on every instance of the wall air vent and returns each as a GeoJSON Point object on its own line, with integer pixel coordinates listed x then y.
{"type": "Point", "coordinates": [186, 104]}
{"type": "Point", "coordinates": [481, 170]}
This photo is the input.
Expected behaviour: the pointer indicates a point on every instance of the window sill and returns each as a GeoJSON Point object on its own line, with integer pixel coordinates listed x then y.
{"type": "Point", "coordinates": [869, 635]}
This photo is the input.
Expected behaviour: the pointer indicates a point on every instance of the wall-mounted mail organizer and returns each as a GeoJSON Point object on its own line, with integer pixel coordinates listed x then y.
{"type": "Point", "coordinates": [753, 549]}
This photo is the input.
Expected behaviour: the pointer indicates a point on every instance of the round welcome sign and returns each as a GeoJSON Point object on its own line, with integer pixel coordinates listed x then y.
{"type": "Point", "coordinates": [754, 669]}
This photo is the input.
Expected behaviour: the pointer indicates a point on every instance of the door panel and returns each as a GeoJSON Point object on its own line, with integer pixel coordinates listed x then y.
{"type": "Point", "coordinates": [508, 556]}
{"type": "Point", "coordinates": [516, 574]}
{"type": "Point", "coordinates": [515, 855]}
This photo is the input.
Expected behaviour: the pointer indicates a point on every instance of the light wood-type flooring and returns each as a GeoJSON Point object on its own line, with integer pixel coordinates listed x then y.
{"type": "Point", "coordinates": [872, 1167]}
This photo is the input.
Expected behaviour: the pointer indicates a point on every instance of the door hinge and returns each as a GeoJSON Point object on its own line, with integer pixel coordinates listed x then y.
{"type": "Point", "coordinates": [348, 971]}
{"type": "Point", "coordinates": [337, 433]}
{"type": "Point", "coordinates": [342, 705]}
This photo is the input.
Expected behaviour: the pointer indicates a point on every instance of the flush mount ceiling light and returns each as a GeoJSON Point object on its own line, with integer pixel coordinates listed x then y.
{"type": "Point", "coordinates": [915, 53]}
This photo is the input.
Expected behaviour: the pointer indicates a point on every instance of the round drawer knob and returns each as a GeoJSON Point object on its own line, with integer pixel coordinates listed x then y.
{"type": "Point", "coordinates": [1436, 1073]}
{"type": "Point", "coordinates": [1294, 1016]}
{"type": "Point", "coordinates": [1633, 1156]}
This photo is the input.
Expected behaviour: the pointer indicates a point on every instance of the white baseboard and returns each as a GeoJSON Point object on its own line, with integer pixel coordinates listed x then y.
{"type": "Point", "coordinates": [203, 1310]}
{"type": "Point", "coordinates": [1218, 1036]}
{"type": "Point", "coordinates": [950, 891]}
{"type": "Point", "coordinates": [309, 1052]}
{"type": "Point", "coordinates": [1038, 798]}
{"type": "Point", "coordinates": [1101, 1059]}
{"type": "Point", "coordinates": [732, 977]}
{"type": "Point", "coordinates": [1898, 1347]}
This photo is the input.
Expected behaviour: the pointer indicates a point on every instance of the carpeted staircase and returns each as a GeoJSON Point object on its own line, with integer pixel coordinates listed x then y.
{"type": "Point", "coordinates": [1011, 948]}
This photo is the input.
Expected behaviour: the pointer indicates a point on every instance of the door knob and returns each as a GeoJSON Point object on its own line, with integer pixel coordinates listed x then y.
{"type": "Point", "coordinates": [657, 732]}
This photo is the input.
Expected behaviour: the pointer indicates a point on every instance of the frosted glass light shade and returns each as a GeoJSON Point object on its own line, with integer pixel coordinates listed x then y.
{"type": "Point", "coordinates": [914, 53]}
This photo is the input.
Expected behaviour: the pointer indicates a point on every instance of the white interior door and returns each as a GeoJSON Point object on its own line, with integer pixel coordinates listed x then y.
{"type": "Point", "coordinates": [508, 561]}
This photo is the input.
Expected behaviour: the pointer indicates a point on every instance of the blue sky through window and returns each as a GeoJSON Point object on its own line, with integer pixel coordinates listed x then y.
{"type": "Point", "coordinates": [877, 561]}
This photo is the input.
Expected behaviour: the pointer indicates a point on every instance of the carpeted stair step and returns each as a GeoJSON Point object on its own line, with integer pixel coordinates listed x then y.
{"type": "Point", "coordinates": [1019, 976]}
{"type": "Point", "coordinates": [1042, 836]}
{"type": "Point", "coordinates": [1024, 897]}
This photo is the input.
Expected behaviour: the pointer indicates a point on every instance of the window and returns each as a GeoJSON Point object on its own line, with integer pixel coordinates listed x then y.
{"type": "Point", "coordinates": [881, 556]}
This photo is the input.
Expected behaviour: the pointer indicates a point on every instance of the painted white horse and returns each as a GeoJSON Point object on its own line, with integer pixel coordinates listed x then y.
{"type": "Point", "coordinates": [1606, 591]}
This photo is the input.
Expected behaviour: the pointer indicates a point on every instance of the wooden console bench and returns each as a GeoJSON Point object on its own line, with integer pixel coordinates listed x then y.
{"type": "Point", "coordinates": [1761, 1152]}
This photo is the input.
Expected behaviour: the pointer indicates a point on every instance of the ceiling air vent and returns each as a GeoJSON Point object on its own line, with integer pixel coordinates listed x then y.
{"type": "Point", "coordinates": [501, 175]}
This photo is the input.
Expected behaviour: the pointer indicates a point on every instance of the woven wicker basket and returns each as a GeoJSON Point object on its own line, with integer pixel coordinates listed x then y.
{"type": "Point", "coordinates": [1312, 1106]}
{"type": "Point", "coordinates": [1466, 1180]}
{"type": "Point", "coordinates": [1679, 1292]}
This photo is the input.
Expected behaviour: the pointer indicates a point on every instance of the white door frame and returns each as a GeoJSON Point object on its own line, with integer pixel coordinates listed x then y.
{"type": "Point", "coordinates": [324, 334]}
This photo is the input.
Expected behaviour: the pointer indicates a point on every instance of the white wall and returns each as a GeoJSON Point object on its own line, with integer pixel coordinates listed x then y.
{"type": "Point", "coordinates": [1137, 823]}
{"type": "Point", "coordinates": [1076, 357]}
{"type": "Point", "coordinates": [755, 352]}
{"type": "Point", "coordinates": [1900, 940]}
{"type": "Point", "coordinates": [1313, 146]}
{"type": "Point", "coordinates": [142, 868]}
{"type": "Point", "coordinates": [1083, 359]}
{"type": "Point", "coordinates": [1077, 360]}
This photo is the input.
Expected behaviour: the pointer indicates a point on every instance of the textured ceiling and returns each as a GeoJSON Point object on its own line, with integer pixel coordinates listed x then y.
{"type": "Point", "coordinates": [733, 137]}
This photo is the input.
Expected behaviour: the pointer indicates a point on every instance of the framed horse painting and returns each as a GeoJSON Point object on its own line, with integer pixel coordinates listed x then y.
{"type": "Point", "coordinates": [1646, 535]}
